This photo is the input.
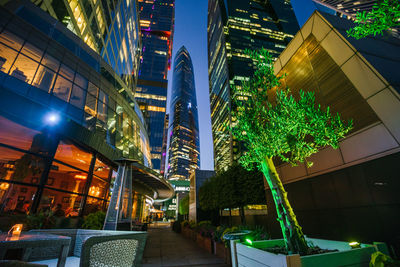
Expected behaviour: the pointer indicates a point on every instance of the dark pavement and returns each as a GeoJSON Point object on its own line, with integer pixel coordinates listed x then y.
{"type": "Point", "coordinates": [167, 248]}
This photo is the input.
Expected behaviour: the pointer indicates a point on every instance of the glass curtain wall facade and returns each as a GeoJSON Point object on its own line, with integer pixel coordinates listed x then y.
{"type": "Point", "coordinates": [108, 27]}
{"type": "Point", "coordinates": [157, 29]}
{"type": "Point", "coordinates": [64, 118]}
{"type": "Point", "coordinates": [233, 26]}
{"type": "Point", "coordinates": [164, 145]}
{"type": "Point", "coordinates": [184, 144]}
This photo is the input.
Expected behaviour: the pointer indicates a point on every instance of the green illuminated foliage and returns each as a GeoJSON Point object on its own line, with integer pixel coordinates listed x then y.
{"type": "Point", "coordinates": [383, 16]}
{"type": "Point", "coordinates": [273, 123]}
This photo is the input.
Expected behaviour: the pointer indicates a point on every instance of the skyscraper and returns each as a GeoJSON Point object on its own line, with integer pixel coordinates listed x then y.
{"type": "Point", "coordinates": [233, 26]}
{"type": "Point", "coordinates": [164, 144]}
{"type": "Point", "coordinates": [157, 27]}
{"type": "Point", "coordinates": [347, 8]}
{"type": "Point", "coordinates": [184, 144]}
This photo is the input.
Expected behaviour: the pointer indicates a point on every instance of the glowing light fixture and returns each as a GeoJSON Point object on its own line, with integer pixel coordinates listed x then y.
{"type": "Point", "coordinates": [80, 177]}
{"type": "Point", "coordinates": [16, 230]}
{"type": "Point", "coordinates": [248, 241]}
{"type": "Point", "coordinates": [52, 118]}
{"type": "Point", "coordinates": [354, 244]}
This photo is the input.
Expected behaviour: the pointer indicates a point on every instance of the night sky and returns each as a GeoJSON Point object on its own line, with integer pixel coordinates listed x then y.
{"type": "Point", "coordinates": [191, 31]}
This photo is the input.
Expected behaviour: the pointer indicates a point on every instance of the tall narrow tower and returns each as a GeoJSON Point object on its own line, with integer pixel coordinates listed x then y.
{"type": "Point", "coordinates": [184, 144]}
{"type": "Point", "coordinates": [157, 30]}
{"type": "Point", "coordinates": [233, 26]}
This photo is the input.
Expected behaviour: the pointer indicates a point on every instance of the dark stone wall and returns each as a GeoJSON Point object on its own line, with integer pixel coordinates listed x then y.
{"type": "Point", "coordinates": [360, 203]}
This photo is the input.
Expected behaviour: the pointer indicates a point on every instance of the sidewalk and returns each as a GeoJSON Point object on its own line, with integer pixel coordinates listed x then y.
{"type": "Point", "coordinates": [167, 248]}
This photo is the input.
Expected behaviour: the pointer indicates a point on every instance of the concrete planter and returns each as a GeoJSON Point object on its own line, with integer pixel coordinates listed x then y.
{"type": "Point", "coordinates": [204, 242]}
{"type": "Point", "coordinates": [222, 252]}
{"type": "Point", "coordinates": [243, 255]}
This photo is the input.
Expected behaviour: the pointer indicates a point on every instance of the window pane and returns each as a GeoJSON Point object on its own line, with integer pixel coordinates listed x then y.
{"type": "Point", "coordinates": [32, 51]}
{"type": "Point", "coordinates": [93, 205]}
{"type": "Point", "coordinates": [7, 56]}
{"type": "Point", "coordinates": [50, 62]}
{"type": "Point", "coordinates": [101, 169]}
{"type": "Point", "coordinates": [63, 204]}
{"type": "Point", "coordinates": [81, 81]}
{"type": "Point", "coordinates": [62, 88]}
{"type": "Point", "coordinates": [15, 199]}
{"type": "Point", "coordinates": [16, 135]}
{"type": "Point", "coordinates": [67, 72]}
{"type": "Point", "coordinates": [102, 111]}
{"type": "Point", "coordinates": [103, 97]}
{"type": "Point", "coordinates": [20, 167]}
{"type": "Point", "coordinates": [11, 40]}
{"type": "Point", "coordinates": [92, 89]}
{"type": "Point", "coordinates": [24, 68]}
{"type": "Point", "coordinates": [44, 78]}
{"type": "Point", "coordinates": [66, 178]}
{"type": "Point", "coordinates": [90, 106]}
{"type": "Point", "coordinates": [73, 155]}
{"type": "Point", "coordinates": [77, 97]}
{"type": "Point", "coordinates": [98, 188]}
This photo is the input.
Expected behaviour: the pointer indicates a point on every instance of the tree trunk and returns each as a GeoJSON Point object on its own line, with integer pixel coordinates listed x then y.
{"type": "Point", "coordinates": [242, 216]}
{"type": "Point", "coordinates": [230, 217]}
{"type": "Point", "coordinates": [291, 230]}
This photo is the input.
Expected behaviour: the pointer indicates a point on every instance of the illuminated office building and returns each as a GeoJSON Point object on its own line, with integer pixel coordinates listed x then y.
{"type": "Point", "coordinates": [157, 30]}
{"type": "Point", "coordinates": [164, 145]}
{"type": "Point", "coordinates": [233, 26]}
{"type": "Point", "coordinates": [184, 144]}
{"type": "Point", "coordinates": [67, 113]}
{"type": "Point", "coordinates": [347, 8]}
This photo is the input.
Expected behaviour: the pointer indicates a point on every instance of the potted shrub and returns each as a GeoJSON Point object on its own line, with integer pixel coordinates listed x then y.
{"type": "Point", "coordinates": [274, 123]}
{"type": "Point", "coordinates": [205, 231]}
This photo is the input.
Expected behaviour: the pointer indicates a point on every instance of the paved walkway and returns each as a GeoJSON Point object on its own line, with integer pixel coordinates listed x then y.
{"type": "Point", "coordinates": [167, 248]}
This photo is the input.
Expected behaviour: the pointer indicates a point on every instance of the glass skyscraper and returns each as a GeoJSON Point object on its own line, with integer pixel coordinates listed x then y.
{"type": "Point", "coordinates": [184, 144]}
{"type": "Point", "coordinates": [233, 26]}
{"type": "Point", "coordinates": [157, 28]}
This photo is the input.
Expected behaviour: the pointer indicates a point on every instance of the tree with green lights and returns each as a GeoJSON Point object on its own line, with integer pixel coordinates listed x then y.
{"type": "Point", "coordinates": [282, 127]}
{"type": "Point", "coordinates": [384, 15]}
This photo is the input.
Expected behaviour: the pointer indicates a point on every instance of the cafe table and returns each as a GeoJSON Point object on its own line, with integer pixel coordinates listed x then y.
{"type": "Point", "coordinates": [27, 241]}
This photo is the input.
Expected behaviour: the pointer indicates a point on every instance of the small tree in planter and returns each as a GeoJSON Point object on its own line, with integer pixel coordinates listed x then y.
{"type": "Point", "coordinates": [289, 129]}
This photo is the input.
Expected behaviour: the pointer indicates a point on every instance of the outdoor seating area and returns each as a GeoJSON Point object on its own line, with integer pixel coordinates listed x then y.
{"type": "Point", "coordinates": [80, 247]}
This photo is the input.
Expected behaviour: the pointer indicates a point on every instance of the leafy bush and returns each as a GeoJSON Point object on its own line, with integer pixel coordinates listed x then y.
{"type": "Point", "coordinates": [41, 220]}
{"type": "Point", "coordinates": [176, 226]}
{"type": "Point", "coordinates": [192, 225]}
{"type": "Point", "coordinates": [94, 220]}
{"type": "Point", "coordinates": [205, 228]}
{"type": "Point", "coordinates": [217, 235]}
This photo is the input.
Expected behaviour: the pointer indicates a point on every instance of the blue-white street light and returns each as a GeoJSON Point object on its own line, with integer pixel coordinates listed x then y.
{"type": "Point", "coordinates": [52, 118]}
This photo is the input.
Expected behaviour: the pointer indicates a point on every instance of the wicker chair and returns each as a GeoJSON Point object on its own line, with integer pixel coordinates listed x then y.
{"type": "Point", "coordinates": [96, 248]}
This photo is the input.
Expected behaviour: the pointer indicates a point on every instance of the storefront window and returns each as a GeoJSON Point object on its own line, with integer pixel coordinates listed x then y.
{"type": "Point", "coordinates": [101, 170]}
{"type": "Point", "coordinates": [16, 199]}
{"type": "Point", "coordinates": [93, 205]}
{"type": "Point", "coordinates": [20, 167]}
{"type": "Point", "coordinates": [16, 135]}
{"type": "Point", "coordinates": [61, 204]}
{"type": "Point", "coordinates": [66, 178]}
{"type": "Point", "coordinates": [73, 155]}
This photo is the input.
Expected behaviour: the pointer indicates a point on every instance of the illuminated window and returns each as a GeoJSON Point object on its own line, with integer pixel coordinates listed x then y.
{"type": "Point", "coordinates": [62, 88]}
{"type": "Point", "coordinates": [7, 56]}
{"type": "Point", "coordinates": [24, 68]}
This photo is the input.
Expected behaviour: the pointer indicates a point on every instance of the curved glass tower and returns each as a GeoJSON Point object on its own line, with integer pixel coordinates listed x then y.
{"type": "Point", "coordinates": [184, 144]}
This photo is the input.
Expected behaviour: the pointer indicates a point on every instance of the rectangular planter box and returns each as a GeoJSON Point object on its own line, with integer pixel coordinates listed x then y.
{"type": "Point", "coordinates": [222, 252]}
{"type": "Point", "coordinates": [204, 242]}
{"type": "Point", "coordinates": [252, 256]}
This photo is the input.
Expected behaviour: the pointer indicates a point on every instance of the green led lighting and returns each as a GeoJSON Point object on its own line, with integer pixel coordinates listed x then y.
{"type": "Point", "coordinates": [248, 241]}
{"type": "Point", "coordinates": [383, 16]}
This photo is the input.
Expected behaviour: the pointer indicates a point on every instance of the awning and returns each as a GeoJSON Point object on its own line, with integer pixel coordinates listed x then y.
{"type": "Point", "coordinates": [154, 180]}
